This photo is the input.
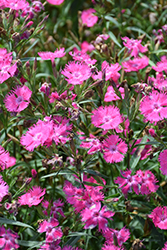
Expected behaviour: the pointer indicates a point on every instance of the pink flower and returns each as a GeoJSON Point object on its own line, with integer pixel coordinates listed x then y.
{"type": "Point", "coordinates": [162, 65]}
{"type": "Point", "coordinates": [111, 94]}
{"type": "Point", "coordinates": [76, 73]}
{"type": "Point", "coordinates": [47, 55]}
{"type": "Point", "coordinates": [107, 117]}
{"type": "Point", "coordinates": [111, 247]}
{"type": "Point", "coordinates": [55, 2]}
{"type": "Point", "coordinates": [159, 217]}
{"type": "Point", "coordinates": [134, 46]}
{"type": "Point", "coordinates": [18, 99]}
{"type": "Point", "coordinates": [163, 162]}
{"type": "Point", "coordinates": [160, 82]}
{"type": "Point", "coordinates": [32, 197]}
{"type": "Point", "coordinates": [57, 208]}
{"type": "Point", "coordinates": [6, 161]}
{"type": "Point", "coordinates": [93, 143]}
{"type": "Point", "coordinates": [8, 239]}
{"type": "Point", "coordinates": [16, 4]}
{"type": "Point", "coordinates": [85, 46]}
{"type": "Point", "coordinates": [135, 64]}
{"type": "Point", "coordinates": [83, 57]}
{"type": "Point", "coordinates": [114, 149]}
{"type": "Point", "coordinates": [120, 236]}
{"type": "Point", "coordinates": [88, 18]}
{"type": "Point", "coordinates": [93, 216]}
{"type": "Point", "coordinates": [4, 188]}
{"type": "Point", "coordinates": [154, 106]}
{"type": "Point", "coordinates": [52, 233]}
{"type": "Point", "coordinates": [165, 246]}
{"type": "Point", "coordinates": [111, 72]}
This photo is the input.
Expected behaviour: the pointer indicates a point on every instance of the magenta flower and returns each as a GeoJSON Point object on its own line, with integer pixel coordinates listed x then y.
{"type": "Point", "coordinates": [32, 197]}
{"type": "Point", "coordinates": [88, 18]}
{"type": "Point", "coordinates": [135, 64]}
{"type": "Point", "coordinates": [162, 65]}
{"type": "Point", "coordinates": [57, 208]}
{"type": "Point", "coordinates": [8, 239]}
{"type": "Point", "coordinates": [52, 233]}
{"type": "Point", "coordinates": [47, 55]}
{"type": "Point", "coordinates": [107, 117]}
{"type": "Point", "coordinates": [111, 247]}
{"type": "Point", "coordinates": [112, 96]}
{"type": "Point", "coordinates": [76, 73]}
{"type": "Point", "coordinates": [121, 236]}
{"type": "Point", "coordinates": [163, 162]}
{"type": "Point", "coordinates": [18, 99]}
{"type": "Point", "coordinates": [154, 106]}
{"type": "Point", "coordinates": [92, 143]}
{"type": "Point", "coordinates": [114, 149]}
{"type": "Point", "coordinates": [4, 188]}
{"type": "Point", "coordinates": [6, 161]}
{"type": "Point", "coordinates": [160, 82]}
{"type": "Point", "coordinates": [165, 246]}
{"type": "Point", "coordinates": [93, 216]}
{"type": "Point", "coordinates": [16, 4]}
{"type": "Point", "coordinates": [134, 46]}
{"type": "Point", "coordinates": [159, 217]}
{"type": "Point", "coordinates": [55, 2]}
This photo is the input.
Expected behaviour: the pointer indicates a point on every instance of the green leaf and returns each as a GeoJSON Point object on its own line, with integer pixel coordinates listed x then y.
{"type": "Point", "coordinates": [140, 31]}
{"type": "Point", "coordinates": [111, 19]}
{"type": "Point", "coordinates": [113, 37]}
{"type": "Point", "coordinates": [12, 222]}
{"type": "Point", "coordinates": [31, 244]}
{"type": "Point", "coordinates": [73, 240]}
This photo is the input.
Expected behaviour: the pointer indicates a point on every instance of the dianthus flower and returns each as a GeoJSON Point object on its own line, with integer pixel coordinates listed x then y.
{"type": "Point", "coordinates": [107, 117]}
{"type": "Point", "coordinates": [47, 55]}
{"type": "Point", "coordinates": [7, 70]}
{"type": "Point", "coordinates": [36, 6]}
{"type": "Point", "coordinates": [6, 161]}
{"type": "Point", "coordinates": [16, 4]}
{"type": "Point", "coordinates": [93, 216]}
{"type": "Point", "coordinates": [154, 106]}
{"type": "Point", "coordinates": [4, 188]}
{"type": "Point", "coordinates": [134, 46]}
{"type": "Point", "coordinates": [159, 217]}
{"type": "Point", "coordinates": [71, 248]}
{"type": "Point", "coordinates": [76, 73]}
{"type": "Point", "coordinates": [8, 239]}
{"type": "Point", "coordinates": [111, 247]}
{"type": "Point", "coordinates": [85, 46]}
{"type": "Point", "coordinates": [160, 82]}
{"type": "Point", "coordinates": [162, 65]}
{"type": "Point", "coordinates": [165, 246]}
{"type": "Point", "coordinates": [135, 64]}
{"type": "Point", "coordinates": [143, 182]}
{"type": "Point", "coordinates": [111, 72]}
{"type": "Point", "coordinates": [163, 162]}
{"type": "Point", "coordinates": [92, 143]}
{"type": "Point", "coordinates": [82, 57]}
{"type": "Point", "coordinates": [53, 232]}
{"type": "Point", "coordinates": [55, 2]}
{"type": "Point", "coordinates": [18, 99]}
{"type": "Point", "coordinates": [120, 236]}
{"type": "Point", "coordinates": [32, 197]}
{"type": "Point", "coordinates": [114, 149]}
{"type": "Point", "coordinates": [88, 18]}
{"type": "Point", "coordinates": [57, 208]}
{"type": "Point", "coordinates": [37, 135]}
{"type": "Point", "coordinates": [112, 96]}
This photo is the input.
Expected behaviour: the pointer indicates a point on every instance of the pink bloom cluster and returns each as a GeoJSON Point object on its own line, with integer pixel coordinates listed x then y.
{"type": "Point", "coordinates": [154, 106]}
{"type": "Point", "coordinates": [163, 161]}
{"type": "Point", "coordinates": [7, 69]}
{"type": "Point", "coordinates": [44, 132]}
{"type": "Point", "coordinates": [6, 161]}
{"type": "Point", "coordinates": [162, 65]}
{"type": "Point", "coordinates": [134, 46]}
{"type": "Point", "coordinates": [18, 99]}
{"type": "Point", "coordinates": [81, 56]}
{"type": "Point", "coordinates": [55, 208]}
{"type": "Point", "coordinates": [159, 82]}
{"type": "Point", "coordinates": [88, 18]}
{"type": "Point", "coordinates": [159, 217]}
{"type": "Point", "coordinates": [111, 94]}
{"type": "Point", "coordinates": [143, 182]}
{"type": "Point", "coordinates": [165, 246]}
{"type": "Point", "coordinates": [4, 188]}
{"type": "Point", "coordinates": [114, 237]}
{"type": "Point", "coordinates": [87, 202]}
{"type": "Point", "coordinates": [8, 239]}
{"type": "Point", "coordinates": [32, 197]}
